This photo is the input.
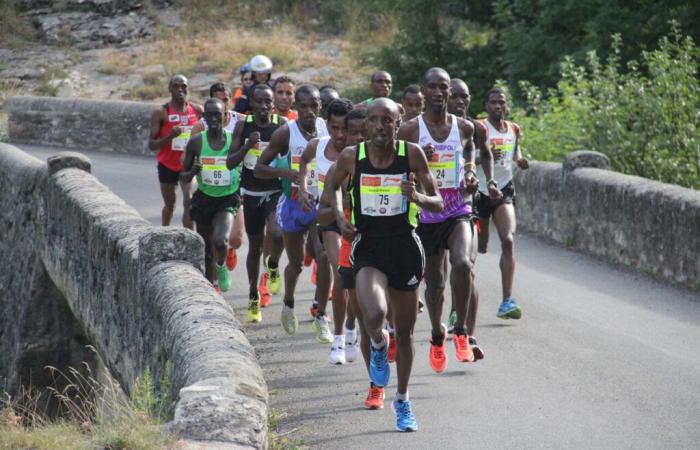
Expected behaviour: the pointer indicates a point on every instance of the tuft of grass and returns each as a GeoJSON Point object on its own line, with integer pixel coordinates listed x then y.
{"type": "Point", "coordinates": [91, 414]}
{"type": "Point", "coordinates": [16, 29]}
{"type": "Point", "coordinates": [276, 440]}
{"type": "Point", "coordinates": [117, 63]}
{"type": "Point", "coordinates": [46, 85]}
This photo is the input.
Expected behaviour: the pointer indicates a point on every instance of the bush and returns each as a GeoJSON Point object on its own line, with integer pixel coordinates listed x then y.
{"type": "Point", "coordinates": [646, 118]}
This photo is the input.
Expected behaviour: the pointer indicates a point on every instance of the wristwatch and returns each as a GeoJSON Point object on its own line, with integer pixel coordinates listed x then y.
{"type": "Point", "coordinates": [492, 181]}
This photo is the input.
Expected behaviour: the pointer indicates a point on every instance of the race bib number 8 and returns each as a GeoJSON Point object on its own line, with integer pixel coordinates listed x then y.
{"type": "Point", "coordinates": [380, 195]}
{"type": "Point", "coordinates": [445, 168]}
{"type": "Point", "coordinates": [180, 142]}
{"type": "Point", "coordinates": [311, 171]}
{"type": "Point", "coordinates": [215, 172]}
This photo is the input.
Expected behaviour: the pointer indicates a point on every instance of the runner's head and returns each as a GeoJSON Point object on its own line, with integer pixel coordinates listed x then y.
{"type": "Point", "coordinates": [458, 103]}
{"type": "Point", "coordinates": [436, 89]}
{"type": "Point", "coordinates": [356, 126]}
{"type": "Point", "coordinates": [381, 84]}
{"type": "Point", "coordinates": [214, 114]}
{"type": "Point", "coordinates": [261, 66]}
{"type": "Point", "coordinates": [383, 121]}
{"type": "Point", "coordinates": [246, 76]}
{"type": "Point", "coordinates": [261, 102]}
{"type": "Point", "coordinates": [284, 93]}
{"type": "Point", "coordinates": [308, 102]}
{"type": "Point", "coordinates": [337, 112]}
{"type": "Point", "coordinates": [412, 101]}
{"type": "Point", "coordinates": [328, 94]}
{"type": "Point", "coordinates": [496, 104]}
{"type": "Point", "coordinates": [178, 88]}
{"type": "Point", "coordinates": [220, 91]}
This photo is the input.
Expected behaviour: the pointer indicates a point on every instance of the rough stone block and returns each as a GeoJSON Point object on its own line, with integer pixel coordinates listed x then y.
{"type": "Point", "coordinates": [585, 158]}
{"type": "Point", "coordinates": [65, 160]}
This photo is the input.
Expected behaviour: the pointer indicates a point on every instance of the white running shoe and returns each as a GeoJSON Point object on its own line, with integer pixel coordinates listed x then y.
{"type": "Point", "coordinates": [352, 345]}
{"type": "Point", "coordinates": [337, 355]}
{"type": "Point", "coordinates": [323, 331]}
{"type": "Point", "coordinates": [289, 320]}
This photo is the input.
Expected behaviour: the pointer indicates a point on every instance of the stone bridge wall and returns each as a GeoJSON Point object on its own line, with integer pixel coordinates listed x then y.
{"type": "Point", "coordinates": [80, 266]}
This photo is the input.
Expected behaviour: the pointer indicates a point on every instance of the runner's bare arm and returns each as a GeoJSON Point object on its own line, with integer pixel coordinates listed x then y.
{"type": "Point", "coordinates": [278, 144]}
{"type": "Point", "coordinates": [238, 148]}
{"type": "Point", "coordinates": [191, 165]}
{"type": "Point", "coordinates": [158, 118]}
{"type": "Point", "coordinates": [325, 214]}
{"type": "Point", "coordinates": [344, 169]}
{"type": "Point", "coordinates": [466, 132]}
{"type": "Point", "coordinates": [428, 199]}
{"type": "Point", "coordinates": [517, 155]}
{"type": "Point", "coordinates": [409, 131]}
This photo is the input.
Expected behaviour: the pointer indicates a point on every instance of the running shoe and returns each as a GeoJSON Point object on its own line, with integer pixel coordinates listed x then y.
{"type": "Point", "coordinates": [391, 354]}
{"type": "Point", "coordinates": [274, 279]}
{"type": "Point", "coordinates": [437, 355]}
{"type": "Point", "coordinates": [375, 397]}
{"type": "Point", "coordinates": [223, 277]}
{"type": "Point", "coordinates": [478, 352]}
{"type": "Point", "coordinates": [405, 420]}
{"type": "Point", "coordinates": [254, 314]}
{"type": "Point", "coordinates": [217, 288]}
{"type": "Point", "coordinates": [463, 352]}
{"type": "Point", "coordinates": [314, 310]}
{"type": "Point", "coordinates": [307, 259]}
{"type": "Point", "coordinates": [323, 331]}
{"type": "Point", "coordinates": [352, 345]}
{"type": "Point", "coordinates": [451, 322]}
{"type": "Point", "coordinates": [337, 355]}
{"type": "Point", "coordinates": [265, 296]}
{"type": "Point", "coordinates": [509, 309]}
{"type": "Point", "coordinates": [231, 259]}
{"type": "Point", "coordinates": [289, 320]}
{"type": "Point", "coordinates": [379, 369]}
{"type": "Point", "coordinates": [314, 272]}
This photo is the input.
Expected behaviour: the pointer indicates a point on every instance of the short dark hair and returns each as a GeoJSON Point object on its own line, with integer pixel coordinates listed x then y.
{"type": "Point", "coordinates": [218, 87]}
{"type": "Point", "coordinates": [495, 90]}
{"type": "Point", "coordinates": [434, 69]}
{"type": "Point", "coordinates": [306, 89]}
{"type": "Point", "coordinates": [213, 100]}
{"type": "Point", "coordinates": [259, 86]}
{"type": "Point", "coordinates": [325, 87]}
{"type": "Point", "coordinates": [339, 107]}
{"type": "Point", "coordinates": [411, 89]}
{"type": "Point", "coordinates": [281, 79]}
{"type": "Point", "coordinates": [355, 114]}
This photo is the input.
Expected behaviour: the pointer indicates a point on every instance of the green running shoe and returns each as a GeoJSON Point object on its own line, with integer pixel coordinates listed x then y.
{"type": "Point", "coordinates": [223, 277]}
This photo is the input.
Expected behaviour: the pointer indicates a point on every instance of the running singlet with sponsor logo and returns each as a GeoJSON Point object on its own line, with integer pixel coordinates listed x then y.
{"type": "Point", "coordinates": [322, 164]}
{"type": "Point", "coordinates": [250, 184]}
{"type": "Point", "coordinates": [215, 180]}
{"type": "Point", "coordinates": [292, 159]}
{"type": "Point", "coordinates": [506, 143]}
{"type": "Point", "coordinates": [446, 165]}
{"type": "Point", "coordinates": [378, 207]}
{"type": "Point", "coordinates": [170, 154]}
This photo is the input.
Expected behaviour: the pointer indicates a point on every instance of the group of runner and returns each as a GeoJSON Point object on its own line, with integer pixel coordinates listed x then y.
{"type": "Point", "coordinates": [378, 196]}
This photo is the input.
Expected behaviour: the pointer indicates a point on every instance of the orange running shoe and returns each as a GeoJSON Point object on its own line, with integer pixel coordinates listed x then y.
{"type": "Point", "coordinates": [437, 355]}
{"type": "Point", "coordinates": [391, 353]}
{"type": "Point", "coordinates": [265, 296]}
{"type": "Point", "coordinates": [463, 351]}
{"type": "Point", "coordinates": [314, 272]}
{"type": "Point", "coordinates": [307, 259]}
{"type": "Point", "coordinates": [231, 259]}
{"type": "Point", "coordinates": [375, 398]}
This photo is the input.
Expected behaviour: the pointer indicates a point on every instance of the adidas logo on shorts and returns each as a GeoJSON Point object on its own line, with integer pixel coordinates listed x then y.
{"type": "Point", "coordinates": [412, 281]}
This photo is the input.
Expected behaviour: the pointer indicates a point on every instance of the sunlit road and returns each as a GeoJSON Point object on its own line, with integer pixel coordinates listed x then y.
{"type": "Point", "coordinates": [602, 358]}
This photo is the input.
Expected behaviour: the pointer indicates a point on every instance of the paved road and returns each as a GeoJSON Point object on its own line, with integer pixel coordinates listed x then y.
{"type": "Point", "coordinates": [603, 358]}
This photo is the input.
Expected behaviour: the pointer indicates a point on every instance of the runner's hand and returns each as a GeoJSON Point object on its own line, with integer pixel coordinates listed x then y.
{"type": "Point", "coordinates": [497, 154]}
{"type": "Point", "coordinates": [471, 183]}
{"type": "Point", "coordinates": [253, 140]}
{"type": "Point", "coordinates": [494, 192]}
{"type": "Point", "coordinates": [308, 202]}
{"type": "Point", "coordinates": [429, 149]}
{"type": "Point", "coordinates": [408, 187]}
{"type": "Point", "coordinates": [523, 163]}
{"type": "Point", "coordinates": [175, 132]}
{"type": "Point", "coordinates": [346, 228]}
{"type": "Point", "coordinates": [294, 176]}
{"type": "Point", "coordinates": [196, 165]}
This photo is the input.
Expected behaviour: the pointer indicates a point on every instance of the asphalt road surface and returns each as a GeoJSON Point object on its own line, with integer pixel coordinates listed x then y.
{"type": "Point", "coordinates": [602, 358]}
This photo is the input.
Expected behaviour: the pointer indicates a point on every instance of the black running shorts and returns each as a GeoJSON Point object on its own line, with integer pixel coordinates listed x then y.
{"type": "Point", "coordinates": [167, 176]}
{"type": "Point", "coordinates": [400, 258]}
{"type": "Point", "coordinates": [204, 207]}
{"type": "Point", "coordinates": [434, 236]}
{"type": "Point", "coordinates": [257, 210]}
{"type": "Point", "coordinates": [485, 206]}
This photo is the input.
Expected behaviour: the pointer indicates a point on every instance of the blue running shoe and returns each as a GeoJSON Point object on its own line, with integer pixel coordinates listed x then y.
{"type": "Point", "coordinates": [379, 370]}
{"type": "Point", "coordinates": [509, 309]}
{"type": "Point", "coordinates": [405, 420]}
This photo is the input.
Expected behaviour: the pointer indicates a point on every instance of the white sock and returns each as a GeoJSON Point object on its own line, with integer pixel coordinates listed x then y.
{"type": "Point", "coordinates": [402, 397]}
{"type": "Point", "coordinates": [378, 346]}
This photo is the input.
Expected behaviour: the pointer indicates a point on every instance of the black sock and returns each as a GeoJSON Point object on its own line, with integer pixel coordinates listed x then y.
{"type": "Point", "coordinates": [289, 303]}
{"type": "Point", "coordinates": [272, 264]}
{"type": "Point", "coordinates": [461, 331]}
{"type": "Point", "coordinates": [253, 293]}
{"type": "Point", "coordinates": [438, 338]}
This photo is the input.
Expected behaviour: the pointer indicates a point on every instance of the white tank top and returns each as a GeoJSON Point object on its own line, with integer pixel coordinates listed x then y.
{"type": "Point", "coordinates": [503, 168]}
{"type": "Point", "coordinates": [323, 164]}
{"type": "Point", "coordinates": [446, 164]}
{"type": "Point", "coordinates": [297, 145]}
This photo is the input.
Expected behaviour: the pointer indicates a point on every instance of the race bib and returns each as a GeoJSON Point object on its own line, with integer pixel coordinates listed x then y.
{"type": "Point", "coordinates": [311, 169]}
{"type": "Point", "coordinates": [506, 147]}
{"type": "Point", "coordinates": [214, 171]}
{"type": "Point", "coordinates": [180, 142]}
{"type": "Point", "coordinates": [380, 195]}
{"type": "Point", "coordinates": [445, 167]}
{"type": "Point", "coordinates": [251, 158]}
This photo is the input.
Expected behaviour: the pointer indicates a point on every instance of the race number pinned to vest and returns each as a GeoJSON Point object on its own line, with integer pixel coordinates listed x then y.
{"type": "Point", "coordinates": [180, 141]}
{"type": "Point", "coordinates": [251, 158]}
{"type": "Point", "coordinates": [215, 172]}
{"type": "Point", "coordinates": [380, 195]}
{"type": "Point", "coordinates": [445, 167]}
